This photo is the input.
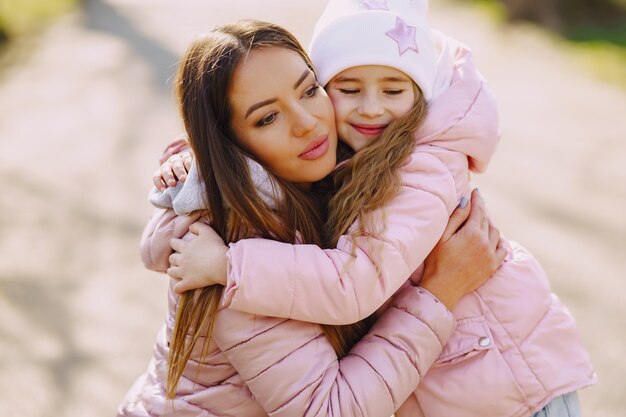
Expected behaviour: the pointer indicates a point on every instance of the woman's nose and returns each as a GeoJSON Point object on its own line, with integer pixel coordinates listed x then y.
{"type": "Point", "coordinates": [304, 122]}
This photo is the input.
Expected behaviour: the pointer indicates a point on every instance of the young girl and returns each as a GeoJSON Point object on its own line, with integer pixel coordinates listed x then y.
{"type": "Point", "coordinates": [225, 83]}
{"type": "Point", "coordinates": [515, 342]}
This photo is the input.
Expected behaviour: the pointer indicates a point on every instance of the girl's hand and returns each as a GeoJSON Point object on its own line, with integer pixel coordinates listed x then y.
{"type": "Point", "coordinates": [468, 253]}
{"type": "Point", "coordinates": [180, 144]}
{"type": "Point", "coordinates": [174, 169]}
{"type": "Point", "coordinates": [199, 262]}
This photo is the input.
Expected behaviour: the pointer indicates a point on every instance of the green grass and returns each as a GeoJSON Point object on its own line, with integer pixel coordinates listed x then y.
{"type": "Point", "coordinates": [601, 49]}
{"type": "Point", "coordinates": [20, 17]}
{"type": "Point", "coordinates": [605, 58]}
{"type": "Point", "coordinates": [598, 35]}
{"type": "Point", "coordinates": [493, 8]}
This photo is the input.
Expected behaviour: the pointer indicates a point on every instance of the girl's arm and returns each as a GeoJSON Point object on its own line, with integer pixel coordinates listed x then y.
{"type": "Point", "coordinates": [292, 370]}
{"type": "Point", "coordinates": [331, 286]}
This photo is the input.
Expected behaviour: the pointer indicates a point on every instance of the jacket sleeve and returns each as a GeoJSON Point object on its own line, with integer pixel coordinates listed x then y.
{"type": "Point", "coordinates": [292, 370]}
{"type": "Point", "coordinates": [333, 286]}
{"type": "Point", "coordinates": [164, 225]}
{"type": "Point", "coordinates": [154, 247]}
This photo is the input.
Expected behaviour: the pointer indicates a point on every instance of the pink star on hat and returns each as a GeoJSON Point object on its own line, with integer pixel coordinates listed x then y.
{"type": "Point", "coordinates": [404, 35]}
{"type": "Point", "coordinates": [374, 4]}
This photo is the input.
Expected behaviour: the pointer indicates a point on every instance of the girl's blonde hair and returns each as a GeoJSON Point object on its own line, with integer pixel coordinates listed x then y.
{"type": "Point", "coordinates": [236, 209]}
{"type": "Point", "coordinates": [370, 178]}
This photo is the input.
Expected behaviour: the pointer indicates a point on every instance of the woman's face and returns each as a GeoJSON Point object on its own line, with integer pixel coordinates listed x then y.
{"type": "Point", "coordinates": [282, 116]}
{"type": "Point", "coordinates": [366, 99]}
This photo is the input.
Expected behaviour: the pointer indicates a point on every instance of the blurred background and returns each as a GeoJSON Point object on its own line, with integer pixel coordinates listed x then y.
{"type": "Point", "coordinates": [86, 109]}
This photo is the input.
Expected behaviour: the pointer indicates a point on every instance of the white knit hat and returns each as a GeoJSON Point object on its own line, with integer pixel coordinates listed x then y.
{"type": "Point", "coordinates": [392, 33]}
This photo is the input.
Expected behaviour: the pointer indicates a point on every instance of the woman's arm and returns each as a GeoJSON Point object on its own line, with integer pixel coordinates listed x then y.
{"type": "Point", "coordinates": [163, 226]}
{"type": "Point", "coordinates": [292, 370]}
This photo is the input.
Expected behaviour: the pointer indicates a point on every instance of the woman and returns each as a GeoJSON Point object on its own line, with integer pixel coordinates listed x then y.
{"type": "Point", "coordinates": [206, 358]}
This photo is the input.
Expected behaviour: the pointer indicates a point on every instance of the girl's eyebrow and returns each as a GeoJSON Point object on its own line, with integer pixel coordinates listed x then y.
{"type": "Point", "coordinates": [346, 80]}
{"type": "Point", "coordinates": [384, 79]}
{"type": "Point", "coordinates": [395, 79]}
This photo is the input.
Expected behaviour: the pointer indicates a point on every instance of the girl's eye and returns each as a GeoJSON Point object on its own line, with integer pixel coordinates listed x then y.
{"type": "Point", "coordinates": [394, 92]}
{"type": "Point", "coordinates": [267, 120]}
{"type": "Point", "coordinates": [312, 91]}
{"type": "Point", "coordinates": [349, 91]}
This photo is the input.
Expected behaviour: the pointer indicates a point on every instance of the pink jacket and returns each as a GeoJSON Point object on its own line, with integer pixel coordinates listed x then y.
{"type": "Point", "coordinates": [259, 366]}
{"type": "Point", "coordinates": [515, 347]}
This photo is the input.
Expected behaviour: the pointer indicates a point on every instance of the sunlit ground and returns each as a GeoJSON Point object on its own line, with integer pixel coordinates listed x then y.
{"type": "Point", "coordinates": [85, 114]}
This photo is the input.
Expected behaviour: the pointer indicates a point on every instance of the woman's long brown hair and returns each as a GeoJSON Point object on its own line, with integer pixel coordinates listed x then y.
{"type": "Point", "coordinates": [236, 209]}
{"type": "Point", "coordinates": [371, 178]}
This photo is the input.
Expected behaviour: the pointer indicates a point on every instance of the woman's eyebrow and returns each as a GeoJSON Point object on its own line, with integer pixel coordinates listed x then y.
{"type": "Point", "coordinates": [303, 77]}
{"type": "Point", "coordinates": [260, 104]}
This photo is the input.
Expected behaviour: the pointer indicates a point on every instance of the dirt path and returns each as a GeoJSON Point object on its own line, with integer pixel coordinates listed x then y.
{"type": "Point", "coordinates": [85, 117]}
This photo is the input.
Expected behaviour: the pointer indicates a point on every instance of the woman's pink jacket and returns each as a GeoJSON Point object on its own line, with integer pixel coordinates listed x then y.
{"type": "Point", "coordinates": [258, 366]}
{"type": "Point", "coordinates": [515, 347]}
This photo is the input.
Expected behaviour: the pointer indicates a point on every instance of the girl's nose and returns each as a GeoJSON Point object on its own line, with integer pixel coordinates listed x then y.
{"type": "Point", "coordinates": [370, 107]}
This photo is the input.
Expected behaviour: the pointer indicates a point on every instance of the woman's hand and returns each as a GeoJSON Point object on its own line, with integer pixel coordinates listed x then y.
{"type": "Point", "coordinates": [174, 169]}
{"type": "Point", "coordinates": [468, 253]}
{"type": "Point", "coordinates": [199, 262]}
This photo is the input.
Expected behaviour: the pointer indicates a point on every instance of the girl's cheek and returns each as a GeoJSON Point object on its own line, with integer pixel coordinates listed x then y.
{"type": "Point", "coordinates": [343, 106]}
{"type": "Point", "coordinates": [337, 98]}
{"type": "Point", "coordinates": [403, 110]}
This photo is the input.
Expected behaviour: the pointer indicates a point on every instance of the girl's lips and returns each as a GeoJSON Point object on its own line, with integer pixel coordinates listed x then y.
{"type": "Point", "coordinates": [316, 149]}
{"type": "Point", "coordinates": [369, 130]}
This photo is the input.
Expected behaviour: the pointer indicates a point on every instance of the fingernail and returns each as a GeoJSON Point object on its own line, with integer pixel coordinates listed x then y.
{"type": "Point", "coordinates": [478, 190]}
{"type": "Point", "coordinates": [463, 202]}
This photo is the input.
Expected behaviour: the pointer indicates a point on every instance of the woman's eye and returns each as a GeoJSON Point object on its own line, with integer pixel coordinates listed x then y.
{"type": "Point", "coordinates": [349, 90]}
{"type": "Point", "coordinates": [312, 91]}
{"type": "Point", "coordinates": [267, 120]}
{"type": "Point", "coordinates": [394, 92]}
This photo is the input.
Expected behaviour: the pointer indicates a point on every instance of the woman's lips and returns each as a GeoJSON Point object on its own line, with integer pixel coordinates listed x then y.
{"type": "Point", "coordinates": [316, 149]}
{"type": "Point", "coordinates": [369, 130]}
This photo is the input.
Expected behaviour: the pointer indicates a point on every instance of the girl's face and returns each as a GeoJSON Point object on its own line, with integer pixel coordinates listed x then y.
{"type": "Point", "coordinates": [366, 99]}
{"type": "Point", "coordinates": [282, 116]}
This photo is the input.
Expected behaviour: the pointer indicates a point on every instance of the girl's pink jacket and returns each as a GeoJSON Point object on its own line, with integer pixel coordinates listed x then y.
{"type": "Point", "coordinates": [515, 347]}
